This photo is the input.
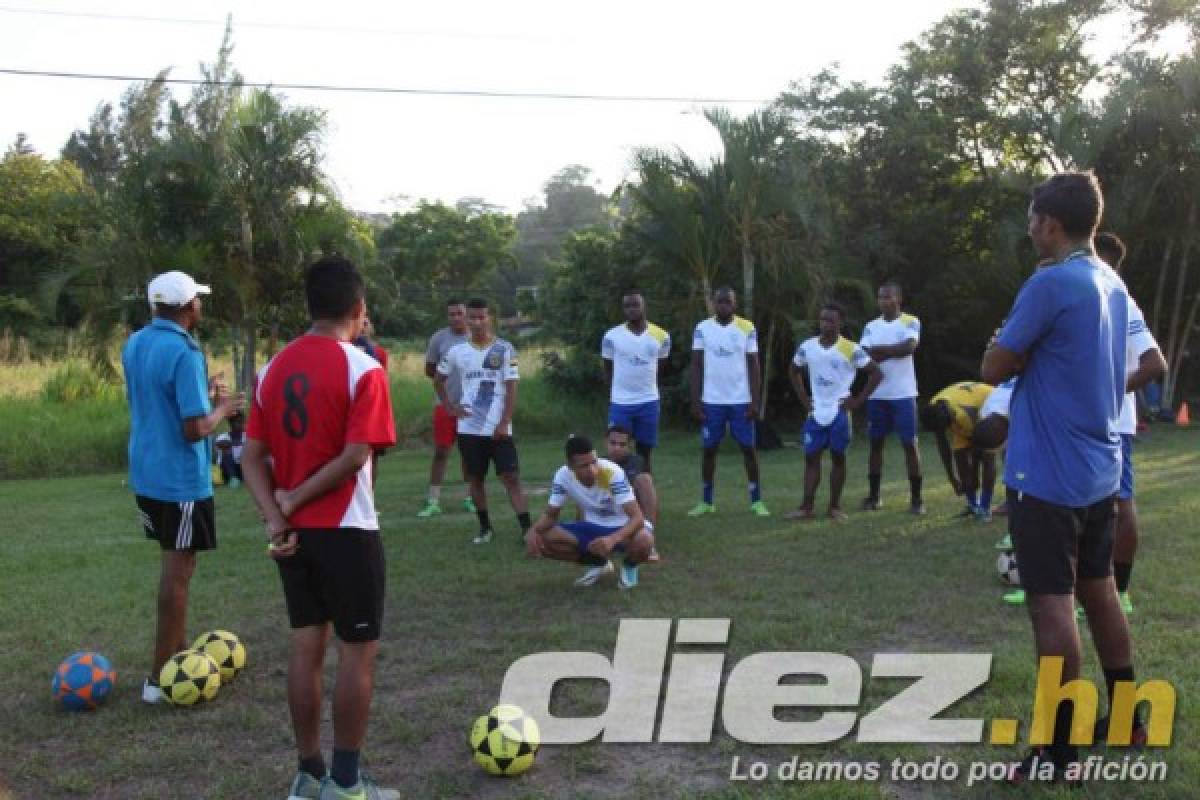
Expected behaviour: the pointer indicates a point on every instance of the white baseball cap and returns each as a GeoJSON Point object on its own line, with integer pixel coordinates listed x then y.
{"type": "Point", "coordinates": [174, 288]}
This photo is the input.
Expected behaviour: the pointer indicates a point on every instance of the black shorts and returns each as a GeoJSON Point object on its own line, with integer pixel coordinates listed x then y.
{"type": "Point", "coordinates": [336, 575]}
{"type": "Point", "coordinates": [478, 451]}
{"type": "Point", "coordinates": [179, 526]}
{"type": "Point", "coordinates": [1056, 545]}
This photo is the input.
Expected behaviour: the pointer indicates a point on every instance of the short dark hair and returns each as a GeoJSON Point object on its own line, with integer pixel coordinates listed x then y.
{"type": "Point", "coordinates": [453, 301]}
{"type": "Point", "coordinates": [833, 305]}
{"type": "Point", "coordinates": [720, 290]}
{"type": "Point", "coordinates": [990, 432]}
{"type": "Point", "coordinates": [1110, 245]}
{"type": "Point", "coordinates": [936, 416]}
{"type": "Point", "coordinates": [619, 428]}
{"type": "Point", "coordinates": [894, 286]}
{"type": "Point", "coordinates": [1072, 198]}
{"type": "Point", "coordinates": [332, 286]}
{"type": "Point", "coordinates": [477, 302]}
{"type": "Point", "coordinates": [578, 445]}
{"type": "Point", "coordinates": [634, 292]}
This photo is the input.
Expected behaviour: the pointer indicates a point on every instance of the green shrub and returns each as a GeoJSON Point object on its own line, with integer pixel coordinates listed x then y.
{"type": "Point", "coordinates": [76, 381]}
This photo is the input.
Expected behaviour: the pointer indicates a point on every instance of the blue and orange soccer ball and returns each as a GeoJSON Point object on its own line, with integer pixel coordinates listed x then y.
{"type": "Point", "coordinates": [83, 681]}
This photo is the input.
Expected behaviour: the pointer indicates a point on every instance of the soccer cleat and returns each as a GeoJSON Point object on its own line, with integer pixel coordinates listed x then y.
{"type": "Point", "coordinates": [700, 509]}
{"type": "Point", "coordinates": [1015, 598]}
{"type": "Point", "coordinates": [1005, 542]}
{"type": "Point", "coordinates": [801, 514]}
{"type": "Point", "coordinates": [594, 574]}
{"type": "Point", "coordinates": [365, 789]}
{"type": "Point", "coordinates": [483, 537]}
{"type": "Point", "coordinates": [759, 509]}
{"type": "Point", "coordinates": [1126, 603]}
{"type": "Point", "coordinates": [431, 509]}
{"type": "Point", "coordinates": [469, 505]}
{"type": "Point", "coordinates": [917, 508]}
{"type": "Point", "coordinates": [654, 557]}
{"type": "Point", "coordinates": [983, 515]}
{"type": "Point", "coordinates": [234, 483]}
{"type": "Point", "coordinates": [304, 787]}
{"type": "Point", "coordinates": [627, 577]}
{"type": "Point", "coordinates": [837, 515]}
{"type": "Point", "coordinates": [152, 694]}
{"type": "Point", "coordinates": [872, 504]}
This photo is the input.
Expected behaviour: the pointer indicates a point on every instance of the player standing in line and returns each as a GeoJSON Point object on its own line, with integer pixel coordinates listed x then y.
{"type": "Point", "coordinates": [321, 408]}
{"type": "Point", "coordinates": [1144, 363]}
{"type": "Point", "coordinates": [725, 366]}
{"type": "Point", "coordinates": [1066, 337]}
{"type": "Point", "coordinates": [444, 425]}
{"type": "Point", "coordinates": [619, 449]}
{"type": "Point", "coordinates": [612, 519]}
{"type": "Point", "coordinates": [890, 340]}
{"type": "Point", "coordinates": [634, 354]}
{"type": "Point", "coordinates": [485, 366]}
{"type": "Point", "coordinates": [832, 362]}
{"type": "Point", "coordinates": [174, 408]}
{"type": "Point", "coordinates": [970, 468]}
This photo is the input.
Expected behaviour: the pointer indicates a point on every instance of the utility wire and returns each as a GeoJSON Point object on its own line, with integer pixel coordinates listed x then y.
{"type": "Point", "coordinates": [323, 87]}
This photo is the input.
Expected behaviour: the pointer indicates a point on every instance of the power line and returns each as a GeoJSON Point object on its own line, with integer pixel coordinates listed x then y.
{"type": "Point", "coordinates": [286, 26]}
{"type": "Point", "coordinates": [322, 87]}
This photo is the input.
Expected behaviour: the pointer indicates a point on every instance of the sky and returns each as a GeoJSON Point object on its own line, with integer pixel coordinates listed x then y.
{"type": "Point", "coordinates": [385, 151]}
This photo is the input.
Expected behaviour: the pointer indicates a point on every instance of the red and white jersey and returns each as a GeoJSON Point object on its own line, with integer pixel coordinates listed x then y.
{"type": "Point", "coordinates": [311, 400]}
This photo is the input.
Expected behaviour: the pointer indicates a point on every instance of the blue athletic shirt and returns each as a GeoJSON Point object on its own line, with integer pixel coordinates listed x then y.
{"type": "Point", "coordinates": [1070, 320]}
{"type": "Point", "coordinates": [166, 382]}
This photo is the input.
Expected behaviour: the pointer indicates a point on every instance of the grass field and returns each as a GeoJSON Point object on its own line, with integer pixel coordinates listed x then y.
{"type": "Point", "coordinates": [77, 574]}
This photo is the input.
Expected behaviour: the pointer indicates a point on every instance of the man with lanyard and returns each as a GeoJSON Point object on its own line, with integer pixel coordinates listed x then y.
{"type": "Point", "coordinates": [1066, 337]}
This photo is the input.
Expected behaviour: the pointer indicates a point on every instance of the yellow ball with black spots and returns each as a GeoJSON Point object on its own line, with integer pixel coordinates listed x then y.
{"type": "Point", "coordinates": [226, 649]}
{"type": "Point", "coordinates": [189, 677]}
{"type": "Point", "coordinates": [505, 741]}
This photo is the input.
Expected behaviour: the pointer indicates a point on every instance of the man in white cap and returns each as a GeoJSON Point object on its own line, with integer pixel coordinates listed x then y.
{"type": "Point", "coordinates": [174, 408]}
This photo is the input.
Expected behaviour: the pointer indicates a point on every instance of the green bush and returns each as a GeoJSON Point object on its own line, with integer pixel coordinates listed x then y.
{"type": "Point", "coordinates": [76, 381]}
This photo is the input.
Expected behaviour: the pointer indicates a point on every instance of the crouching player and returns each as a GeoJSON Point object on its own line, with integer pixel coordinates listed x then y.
{"type": "Point", "coordinates": [611, 520]}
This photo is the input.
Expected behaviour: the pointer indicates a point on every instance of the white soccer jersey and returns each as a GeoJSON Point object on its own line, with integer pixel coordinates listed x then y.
{"type": "Point", "coordinates": [726, 376]}
{"type": "Point", "coordinates": [482, 374]}
{"type": "Point", "coordinates": [1138, 340]}
{"type": "Point", "coordinates": [999, 400]}
{"type": "Point", "coordinates": [600, 503]}
{"type": "Point", "coordinates": [899, 376]}
{"type": "Point", "coordinates": [635, 360]}
{"type": "Point", "coordinates": [831, 371]}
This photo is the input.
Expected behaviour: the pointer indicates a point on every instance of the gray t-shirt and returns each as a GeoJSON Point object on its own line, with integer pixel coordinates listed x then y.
{"type": "Point", "coordinates": [440, 344]}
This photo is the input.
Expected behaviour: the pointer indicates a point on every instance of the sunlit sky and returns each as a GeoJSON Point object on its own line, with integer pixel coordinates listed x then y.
{"type": "Point", "coordinates": [386, 150]}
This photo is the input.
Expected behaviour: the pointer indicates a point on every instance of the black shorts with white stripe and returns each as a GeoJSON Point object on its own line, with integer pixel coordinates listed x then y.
{"type": "Point", "coordinates": [190, 525]}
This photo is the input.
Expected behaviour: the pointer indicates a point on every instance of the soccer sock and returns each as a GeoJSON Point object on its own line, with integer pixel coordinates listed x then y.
{"type": "Point", "coordinates": [313, 765]}
{"type": "Point", "coordinates": [524, 521]}
{"type": "Point", "coordinates": [1111, 676]}
{"type": "Point", "coordinates": [1122, 572]}
{"type": "Point", "coordinates": [592, 560]}
{"type": "Point", "coordinates": [973, 499]}
{"type": "Point", "coordinates": [708, 493]}
{"type": "Point", "coordinates": [755, 491]}
{"type": "Point", "coordinates": [985, 499]}
{"type": "Point", "coordinates": [345, 768]}
{"type": "Point", "coordinates": [1061, 749]}
{"type": "Point", "coordinates": [873, 481]}
{"type": "Point", "coordinates": [485, 522]}
{"type": "Point", "coordinates": [435, 493]}
{"type": "Point", "coordinates": [914, 486]}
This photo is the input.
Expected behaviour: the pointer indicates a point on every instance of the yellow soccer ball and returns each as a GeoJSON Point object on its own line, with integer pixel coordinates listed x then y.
{"type": "Point", "coordinates": [226, 649]}
{"type": "Point", "coordinates": [505, 741]}
{"type": "Point", "coordinates": [189, 677]}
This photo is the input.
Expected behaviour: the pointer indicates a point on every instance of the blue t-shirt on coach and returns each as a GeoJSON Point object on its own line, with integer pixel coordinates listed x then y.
{"type": "Point", "coordinates": [166, 382]}
{"type": "Point", "coordinates": [1070, 320]}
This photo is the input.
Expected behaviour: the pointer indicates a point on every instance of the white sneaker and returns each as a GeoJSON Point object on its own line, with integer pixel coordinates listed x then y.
{"type": "Point", "coordinates": [483, 537]}
{"type": "Point", "coordinates": [594, 574]}
{"type": "Point", "coordinates": [152, 694]}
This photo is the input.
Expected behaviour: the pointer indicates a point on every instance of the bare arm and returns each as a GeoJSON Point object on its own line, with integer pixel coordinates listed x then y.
{"type": "Point", "coordinates": [797, 375]}
{"type": "Point", "coordinates": [943, 448]}
{"type": "Point", "coordinates": [754, 373]}
{"type": "Point", "coordinates": [697, 382]}
{"type": "Point", "coordinates": [882, 352]}
{"type": "Point", "coordinates": [608, 373]}
{"type": "Point", "coordinates": [636, 522]}
{"type": "Point", "coordinates": [1000, 364]}
{"type": "Point", "coordinates": [647, 497]}
{"type": "Point", "coordinates": [874, 378]}
{"type": "Point", "coordinates": [541, 526]}
{"type": "Point", "coordinates": [1151, 367]}
{"type": "Point", "coordinates": [258, 478]}
{"type": "Point", "coordinates": [330, 476]}
{"type": "Point", "coordinates": [197, 428]}
{"type": "Point", "coordinates": [431, 371]}
{"type": "Point", "coordinates": [504, 426]}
